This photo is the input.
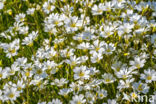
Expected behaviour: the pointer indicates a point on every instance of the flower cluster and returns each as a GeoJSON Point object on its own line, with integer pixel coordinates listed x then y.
{"type": "Point", "coordinates": [77, 51]}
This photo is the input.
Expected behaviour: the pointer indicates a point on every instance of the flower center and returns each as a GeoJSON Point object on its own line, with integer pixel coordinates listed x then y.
{"type": "Point", "coordinates": [149, 77]}
{"type": "Point", "coordinates": [124, 76]}
{"type": "Point", "coordinates": [49, 7]}
{"type": "Point", "coordinates": [138, 66]}
{"type": "Point", "coordinates": [12, 71]}
{"type": "Point", "coordinates": [100, 11]}
{"type": "Point", "coordinates": [21, 19]}
{"type": "Point", "coordinates": [56, 22]}
{"type": "Point", "coordinates": [81, 74]}
{"type": "Point", "coordinates": [30, 44]}
{"type": "Point", "coordinates": [73, 63]}
{"type": "Point", "coordinates": [79, 102]}
{"type": "Point", "coordinates": [108, 50]}
{"type": "Point", "coordinates": [108, 33]}
{"type": "Point", "coordinates": [0, 75]}
{"type": "Point", "coordinates": [12, 50]}
{"type": "Point", "coordinates": [73, 25]}
{"type": "Point", "coordinates": [49, 67]}
{"type": "Point", "coordinates": [108, 8]}
{"type": "Point", "coordinates": [107, 80]}
{"type": "Point", "coordinates": [39, 71]}
{"type": "Point", "coordinates": [140, 87]}
{"type": "Point", "coordinates": [11, 95]}
{"type": "Point", "coordinates": [134, 95]}
{"type": "Point", "coordinates": [19, 88]}
{"type": "Point", "coordinates": [27, 74]}
{"type": "Point", "coordinates": [101, 95]}
{"type": "Point", "coordinates": [97, 48]}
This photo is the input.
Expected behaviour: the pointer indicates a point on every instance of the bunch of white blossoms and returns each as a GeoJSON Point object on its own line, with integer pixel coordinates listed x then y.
{"type": "Point", "coordinates": [77, 51]}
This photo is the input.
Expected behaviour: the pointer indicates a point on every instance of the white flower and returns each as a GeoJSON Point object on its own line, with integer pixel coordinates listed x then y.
{"type": "Point", "coordinates": [36, 81]}
{"type": "Point", "coordinates": [141, 87]}
{"type": "Point", "coordinates": [125, 83]}
{"type": "Point", "coordinates": [83, 59]}
{"type": "Point", "coordinates": [78, 99]}
{"type": "Point", "coordinates": [76, 86]}
{"type": "Point", "coordinates": [20, 17]}
{"type": "Point", "coordinates": [18, 25]}
{"type": "Point", "coordinates": [47, 7]}
{"type": "Point", "coordinates": [20, 85]}
{"type": "Point", "coordinates": [54, 20]}
{"type": "Point", "coordinates": [64, 91]}
{"type": "Point", "coordinates": [98, 10]}
{"type": "Point", "coordinates": [106, 31]}
{"type": "Point", "coordinates": [60, 82]}
{"type": "Point", "coordinates": [84, 46]}
{"type": "Point", "coordinates": [93, 70]}
{"type": "Point", "coordinates": [137, 63]}
{"type": "Point", "coordinates": [149, 75]}
{"type": "Point", "coordinates": [34, 34]}
{"type": "Point", "coordinates": [108, 6]}
{"type": "Point", "coordinates": [39, 70]}
{"type": "Point", "coordinates": [67, 9]}
{"type": "Point", "coordinates": [95, 83]}
{"type": "Point", "coordinates": [96, 57]}
{"type": "Point", "coordinates": [3, 73]}
{"type": "Point", "coordinates": [51, 53]}
{"type": "Point", "coordinates": [109, 48]}
{"type": "Point", "coordinates": [55, 101]}
{"type": "Point", "coordinates": [73, 61]}
{"type": "Point", "coordinates": [102, 93]}
{"type": "Point", "coordinates": [30, 11]}
{"type": "Point", "coordinates": [21, 61]}
{"type": "Point", "coordinates": [90, 97]}
{"type": "Point", "coordinates": [11, 48]}
{"type": "Point", "coordinates": [71, 24]}
{"type": "Point", "coordinates": [81, 73]}
{"type": "Point", "coordinates": [117, 66]}
{"type": "Point", "coordinates": [67, 52]}
{"type": "Point", "coordinates": [135, 17]}
{"type": "Point", "coordinates": [111, 101]}
{"type": "Point", "coordinates": [23, 30]}
{"type": "Point", "coordinates": [12, 70]}
{"type": "Point", "coordinates": [108, 78]}
{"type": "Point", "coordinates": [86, 35]}
{"type": "Point", "coordinates": [97, 47]}
{"type": "Point", "coordinates": [28, 41]}
{"type": "Point", "coordinates": [119, 4]}
{"type": "Point", "coordinates": [11, 94]}
{"type": "Point", "coordinates": [49, 64]}
{"type": "Point", "coordinates": [125, 28]}
{"type": "Point", "coordinates": [31, 37]}
{"type": "Point", "coordinates": [125, 73]}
